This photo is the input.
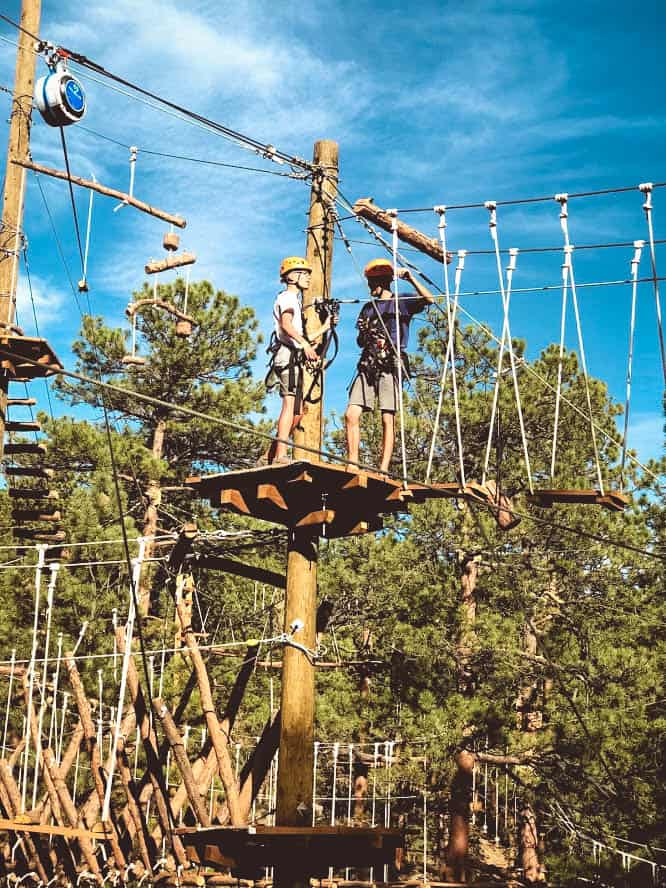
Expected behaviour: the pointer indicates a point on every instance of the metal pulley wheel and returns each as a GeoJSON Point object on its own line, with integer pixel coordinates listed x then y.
{"type": "Point", "coordinates": [60, 98]}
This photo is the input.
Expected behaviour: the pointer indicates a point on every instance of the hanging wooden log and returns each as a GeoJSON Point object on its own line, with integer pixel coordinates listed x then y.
{"type": "Point", "coordinates": [171, 261]}
{"type": "Point", "coordinates": [28, 472]}
{"type": "Point", "coordinates": [149, 743]}
{"type": "Point", "coordinates": [218, 738]}
{"type": "Point", "coordinates": [431, 246]}
{"type": "Point", "coordinates": [176, 742]}
{"type": "Point", "coordinates": [238, 569]}
{"type": "Point", "coordinates": [94, 754]}
{"type": "Point", "coordinates": [25, 448]}
{"type": "Point", "coordinates": [103, 189]}
{"type": "Point", "coordinates": [140, 304]}
{"type": "Point", "coordinates": [23, 427]}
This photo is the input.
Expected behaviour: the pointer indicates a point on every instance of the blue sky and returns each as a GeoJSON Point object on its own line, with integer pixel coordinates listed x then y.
{"type": "Point", "coordinates": [453, 103]}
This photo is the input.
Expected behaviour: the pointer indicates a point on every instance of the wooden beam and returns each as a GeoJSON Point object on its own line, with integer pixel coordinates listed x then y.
{"type": "Point", "coordinates": [171, 261]}
{"type": "Point", "coordinates": [237, 568]}
{"type": "Point", "coordinates": [141, 205]}
{"type": "Point", "coordinates": [234, 499]}
{"type": "Point", "coordinates": [271, 493]}
{"type": "Point", "coordinates": [320, 516]}
{"type": "Point", "coordinates": [367, 209]}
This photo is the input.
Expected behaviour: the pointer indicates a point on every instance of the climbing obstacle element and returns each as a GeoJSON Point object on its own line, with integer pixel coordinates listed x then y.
{"type": "Point", "coordinates": [612, 500]}
{"type": "Point", "coordinates": [331, 500]}
{"type": "Point", "coordinates": [247, 849]}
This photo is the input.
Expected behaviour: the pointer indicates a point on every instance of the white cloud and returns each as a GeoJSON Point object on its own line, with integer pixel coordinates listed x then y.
{"type": "Point", "coordinates": [49, 303]}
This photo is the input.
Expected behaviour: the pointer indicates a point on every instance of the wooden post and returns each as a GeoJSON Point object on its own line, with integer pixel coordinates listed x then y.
{"type": "Point", "coordinates": [294, 785]}
{"type": "Point", "coordinates": [18, 148]}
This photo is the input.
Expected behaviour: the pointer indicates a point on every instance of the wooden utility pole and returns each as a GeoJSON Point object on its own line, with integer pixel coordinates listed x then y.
{"type": "Point", "coordinates": [294, 788]}
{"type": "Point", "coordinates": [13, 198]}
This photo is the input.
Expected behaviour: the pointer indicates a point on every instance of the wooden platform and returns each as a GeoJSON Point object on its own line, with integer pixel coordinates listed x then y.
{"type": "Point", "coordinates": [245, 849]}
{"type": "Point", "coordinates": [611, 499]}
{"type": "Point", "coordinates": [18, 352]}
{"type": "Point", "coordinates": [331, 499]}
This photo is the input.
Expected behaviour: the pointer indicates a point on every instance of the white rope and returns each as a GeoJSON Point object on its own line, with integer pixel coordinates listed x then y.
{"type": "Point", "coordinates": [53, 724]}
{"type": "Point", "coordinates": [31, 686]}
{"type": "Point", "coordinates": [88, 230]}
{"type": "Point", "coordinates": [450, 350]}
{"type": "Point", "coordinates": [187, 288]}
{"type": "Point", "coordinates": [132, 164]}
{"type": "Point", "coordinates": [314, 781]}
{"type": "Point", "coordinates": [646, 188]}
{"type": "Point", "coordinates": [564, 217]}
{"type": "Point", "coordinates": [394, 229]}
{"type": "Point", "coordinates": [505, 342]}
{"type": "Point", "coordinates": [566, 265]}
{"type": "Point", "coordinates": [42, 704]}
{"type": "Point", "coordinates": [336, 750]}
{"type": "Point", "coordinates": [65, 698]}
{"type": "Point", "coordinates": [9, 699]}
{"type": "Point", "coordinates": [129, 631]}
{"type": "Point", "coordinates": [635, 262]}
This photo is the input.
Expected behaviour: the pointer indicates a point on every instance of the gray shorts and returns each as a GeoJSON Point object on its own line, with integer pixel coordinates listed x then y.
{"type": "Point", "coordinates": [283, 373]}
{"type": "Point", "coordinates": [385, 391]}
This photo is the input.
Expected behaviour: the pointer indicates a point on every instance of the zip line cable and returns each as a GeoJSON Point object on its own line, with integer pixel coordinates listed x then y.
{"type": "Point", "coordinates": [265, 150]}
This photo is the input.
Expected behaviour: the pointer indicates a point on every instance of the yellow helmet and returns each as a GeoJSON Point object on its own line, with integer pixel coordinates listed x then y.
{"type": "Point", "coordinates": [379, 268]}
{"type": "Point", "coordinates": [294, 263]}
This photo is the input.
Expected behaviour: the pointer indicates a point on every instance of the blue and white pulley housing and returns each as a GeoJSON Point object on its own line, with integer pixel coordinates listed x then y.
{"type": "Point", "coordinates": [60, 97]}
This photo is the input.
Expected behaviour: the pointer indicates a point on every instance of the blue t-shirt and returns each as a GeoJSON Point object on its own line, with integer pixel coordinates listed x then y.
{"type": "Point", "coordinates": [386, 308]}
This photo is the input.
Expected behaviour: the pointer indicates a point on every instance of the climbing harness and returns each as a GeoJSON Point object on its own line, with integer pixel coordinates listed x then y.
{"type": "Point", "coordinates": [505, 342]}
{"type": "Point", "coordinates": [451, 311]}
{"type": "Point", "coordinates": [377, 355]}
{"type": "Point", "coordinates": [646, 188]}
{"type": "Point", "coordinates": [568, 274]}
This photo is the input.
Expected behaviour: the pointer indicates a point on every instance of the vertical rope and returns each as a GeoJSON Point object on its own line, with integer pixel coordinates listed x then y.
{"type": "Point", "coordinates": [129, 632]}
{"type": "Point", "coordinates": [646, 189]}
{"type": "Point", "coordinates": [349, 795]}
{"type": "Point", "coordinates": [558, 388]}
{"type": "Point", "coordinates": [88, 230]}
{"type": "Point", "coordinates": [425, 821]}
{"type": "Point", "coordinates": [373, 822]}
{"type": "Point", "coordinates": [336, 751]}
{"type": "Point", "coordinates": [449, 354]}
{"type": "Point", "coordinates": [12, 667]}
{"type": "Point", "coordinates": [635, 262]}
{"type": "Point", "coordinates": [505, 341]}
{"type": "Point", "coordinates": [564, 216]}
{"type": "Point", "coordinates": [394, 229]}
{"type": "Point", "coordinates": [474, 770]}
{"type": "Point", "coordinates": [54, 567]}
{"type": "Point", "coordinates": [41, 555]}
{"type": "Point", "coordinates": [314, 780]}
{"type": "Point", "coordinates": [61, 738]}
{"type": "Point", "coordinates": [496, 808]}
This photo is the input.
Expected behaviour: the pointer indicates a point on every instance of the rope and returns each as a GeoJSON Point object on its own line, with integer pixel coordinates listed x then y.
{"type": "Point", "coordinates": [398, 348]}
{"type": "Point", "coordinates": [491, 206]}
{"type": "Point", "coordinates": [564, 214]}
{"type": "Point", "coordinates": [635, 262]}
{"type": "Point", "coordinates": [646, 188]}
{"type": "Point", "coordinates": [450, 350]}
{"type": "Point", "coordinates": [566, 265]}
{"type": "Point", "coordinates": [129, 632]}
{"type": "Point", "coordinates": [31, 668]}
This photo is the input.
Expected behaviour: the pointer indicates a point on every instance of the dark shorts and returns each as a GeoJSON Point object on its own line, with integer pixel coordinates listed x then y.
{"type": "Point", "coordinates": [385, 392]}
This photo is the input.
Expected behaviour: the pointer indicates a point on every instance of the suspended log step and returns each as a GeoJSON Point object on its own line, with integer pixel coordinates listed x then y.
{"type": "Point", "coordinates": [13, 426]}
{"type": "Point", "coordinates": [35, 515]}
{"type": "Point", "coordinates": [173, 260]}
{"type": "Point", "coordinates": [315, 848]}
{"type": "Point", "coordinates": [29, 472]}
{"type": "Point", "coordinates": [38, 493]}
{"type": "Point", "coordinates": [610, 499]}
{"type": "Point", "coordinates": [27, 357]}
{"type": "Point", "coordinates": [40, 536]}
{"type": "Point", "coordinates": [21, 402]}
{"type": "Point", "coordinates": [25, 448]}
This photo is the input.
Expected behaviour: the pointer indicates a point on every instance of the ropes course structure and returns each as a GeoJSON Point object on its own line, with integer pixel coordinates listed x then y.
{"type": "Point", "coordinates": [135, 791]}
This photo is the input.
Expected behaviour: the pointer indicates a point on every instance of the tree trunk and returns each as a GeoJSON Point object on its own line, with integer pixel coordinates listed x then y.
{"type": "Point", "coordinates": [528, 848]}
{"type": "Point", "coordinates": [459, 808]}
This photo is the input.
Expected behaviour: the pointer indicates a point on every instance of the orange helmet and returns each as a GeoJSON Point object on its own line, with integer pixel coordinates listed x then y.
{"type": "Point", "coordinates": [294, 263]}
{"type": "Point", "coordinates": [379, 268]}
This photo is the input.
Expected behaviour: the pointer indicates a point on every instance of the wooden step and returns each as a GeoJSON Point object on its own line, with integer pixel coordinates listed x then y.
{"type": "Point", "coordinates": [38, 493]}
{"type": "Point", "coordinates": [32, 449]}
{"type": "Point", "coordinates": [35, 515]}
{"type": "Point", "coordinates": [28, 472]}
{"type": "Point", "coordinates": [40, 536]}
{"type": "Point", "coordinates": [21, 402]}
{"type": "Point", "coordinates": [12, 426]}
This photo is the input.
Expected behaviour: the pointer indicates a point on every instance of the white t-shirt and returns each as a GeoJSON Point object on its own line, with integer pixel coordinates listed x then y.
{"type": "Point", "coordinates": [287, 301]}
